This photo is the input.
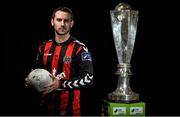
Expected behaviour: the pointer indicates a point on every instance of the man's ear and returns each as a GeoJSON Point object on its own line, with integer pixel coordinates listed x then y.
{"type": "Point", "coordinates": [52, 23]}
{"type": "Point", "coordinates": [72, 23]}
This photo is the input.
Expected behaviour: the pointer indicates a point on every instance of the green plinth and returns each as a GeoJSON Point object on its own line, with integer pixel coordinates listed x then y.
{"type": "Point", "coordinates": [123, 109]}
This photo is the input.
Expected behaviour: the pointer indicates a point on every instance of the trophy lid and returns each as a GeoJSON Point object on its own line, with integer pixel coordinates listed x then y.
{"type": "Point", "coordinates": [123, 6]}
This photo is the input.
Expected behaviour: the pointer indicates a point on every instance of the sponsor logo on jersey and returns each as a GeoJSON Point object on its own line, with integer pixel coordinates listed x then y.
{"type": "Point", "coordinates": [54, 71]}
{"type": "Point", "coordinates": [61, 76]}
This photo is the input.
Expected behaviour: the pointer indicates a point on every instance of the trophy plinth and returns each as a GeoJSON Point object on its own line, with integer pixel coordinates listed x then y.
{"type": "Point", "coordinates": [123, 92]}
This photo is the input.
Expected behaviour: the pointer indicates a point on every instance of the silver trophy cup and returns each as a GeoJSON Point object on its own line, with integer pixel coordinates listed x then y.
{"type": "Point", "coordinates": [124, 24]}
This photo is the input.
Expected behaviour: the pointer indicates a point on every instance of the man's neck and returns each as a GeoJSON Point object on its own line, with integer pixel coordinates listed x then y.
{"type": "Point", "coordinates": [62, 38]}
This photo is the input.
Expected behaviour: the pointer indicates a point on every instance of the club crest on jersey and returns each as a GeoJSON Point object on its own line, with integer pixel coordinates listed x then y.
{"type": "Point", "coordinates": [67, 59]}
{"type": "Point", "coordinates": [86, 56]}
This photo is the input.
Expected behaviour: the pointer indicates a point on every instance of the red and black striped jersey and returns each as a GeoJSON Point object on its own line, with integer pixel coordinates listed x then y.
{"type": "Point", "coordinates": [71, 63]}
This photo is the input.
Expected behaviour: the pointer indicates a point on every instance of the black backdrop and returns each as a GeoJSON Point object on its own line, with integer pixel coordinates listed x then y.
{"type": "Point", "coordinates": [25, 24]}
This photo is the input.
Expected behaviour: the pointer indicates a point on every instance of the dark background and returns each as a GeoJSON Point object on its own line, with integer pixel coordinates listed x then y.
{"type": "Point", "coordinates": [155, 61]}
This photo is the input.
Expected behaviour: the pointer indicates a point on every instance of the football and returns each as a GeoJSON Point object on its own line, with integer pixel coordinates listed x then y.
{"type": "Point", "coordinates": [39, 79]}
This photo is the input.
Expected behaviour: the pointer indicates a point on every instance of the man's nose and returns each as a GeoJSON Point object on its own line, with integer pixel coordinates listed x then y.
{"type": "Point", "coordinates": [62, 23]}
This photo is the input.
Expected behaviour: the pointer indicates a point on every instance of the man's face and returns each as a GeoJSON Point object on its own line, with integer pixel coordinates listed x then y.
{"type": "Point", "coordinates": [62, 22]}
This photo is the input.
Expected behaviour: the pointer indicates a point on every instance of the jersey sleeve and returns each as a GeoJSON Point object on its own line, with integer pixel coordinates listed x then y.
{"type": "Point", "coordinates": [85, 71]}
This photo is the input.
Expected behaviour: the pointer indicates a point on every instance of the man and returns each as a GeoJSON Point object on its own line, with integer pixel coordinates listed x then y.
{"type": "Point", "coordinates": [70, 65]}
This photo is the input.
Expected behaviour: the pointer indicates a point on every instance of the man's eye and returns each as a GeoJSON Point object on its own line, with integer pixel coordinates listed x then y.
{"type": "Point", "coordinates": [59, 20]}
{"type": "Point", "coordinates": [66, 20]}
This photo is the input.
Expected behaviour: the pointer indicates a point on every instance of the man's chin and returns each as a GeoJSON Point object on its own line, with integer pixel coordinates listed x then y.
{"type": "Point", "coordinates": [61, 33]}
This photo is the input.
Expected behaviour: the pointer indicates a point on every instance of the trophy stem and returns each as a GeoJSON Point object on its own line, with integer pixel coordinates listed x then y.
{"type": "Point", "coordinates": [123, 92]}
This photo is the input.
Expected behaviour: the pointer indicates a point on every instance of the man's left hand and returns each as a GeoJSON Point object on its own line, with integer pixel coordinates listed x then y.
{"type": "Point", "coordinates": [52, 86]}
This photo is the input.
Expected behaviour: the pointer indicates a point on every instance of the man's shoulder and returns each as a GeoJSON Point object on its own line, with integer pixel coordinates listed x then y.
{"type": "Point", "coordinates": [47, 41]}
{"type": "Point", "coordinates": [81, 45]}
{"type": "Point", "coordinates": [78, 42]}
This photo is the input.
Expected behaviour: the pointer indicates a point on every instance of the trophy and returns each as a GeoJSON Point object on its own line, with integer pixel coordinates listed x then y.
{"type": "Point", "coordinates": [124, 24]}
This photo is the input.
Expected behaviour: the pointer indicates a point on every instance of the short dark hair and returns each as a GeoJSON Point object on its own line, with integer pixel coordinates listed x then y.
{"type": "Point", "coordinates": [65, 9]}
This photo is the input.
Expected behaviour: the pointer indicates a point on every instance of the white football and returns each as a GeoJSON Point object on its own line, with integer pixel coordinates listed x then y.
{"type": "Point", "coordinates": [39, 78]}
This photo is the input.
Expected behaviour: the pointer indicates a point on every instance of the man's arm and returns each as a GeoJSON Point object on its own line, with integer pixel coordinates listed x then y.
{"type": "Point", "coordinates": [85, 66]}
